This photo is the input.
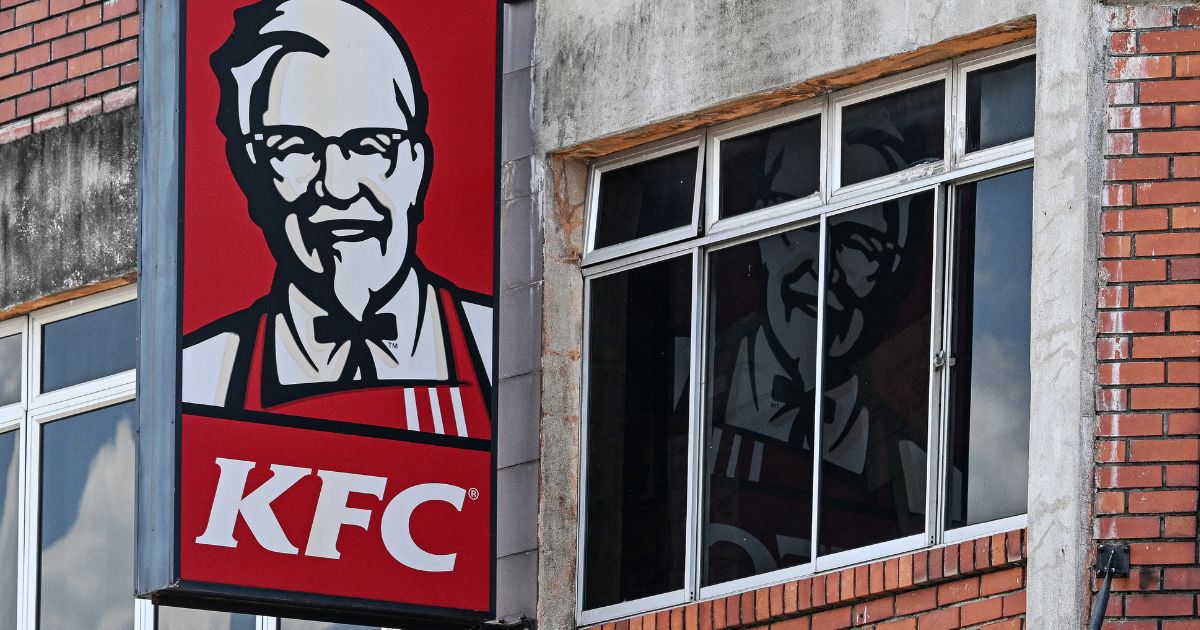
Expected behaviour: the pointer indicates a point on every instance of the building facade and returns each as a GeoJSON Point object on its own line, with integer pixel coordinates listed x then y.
{"type": "Point", "coordinates": [951, 246]}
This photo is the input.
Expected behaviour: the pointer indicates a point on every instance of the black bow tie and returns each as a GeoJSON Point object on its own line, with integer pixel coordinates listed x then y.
{"type": "Point", "coordinates": [342, 328]}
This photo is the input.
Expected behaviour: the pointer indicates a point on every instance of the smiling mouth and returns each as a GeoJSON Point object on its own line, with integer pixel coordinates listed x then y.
{"type": "Point", "coordinates": [352, 230]}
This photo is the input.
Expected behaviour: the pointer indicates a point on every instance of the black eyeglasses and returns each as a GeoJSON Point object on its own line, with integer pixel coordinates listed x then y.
{"type": "Point", "coordinates": [280, 142]}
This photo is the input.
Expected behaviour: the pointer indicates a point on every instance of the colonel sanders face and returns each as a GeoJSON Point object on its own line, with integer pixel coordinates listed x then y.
{"type": "Point", "coordinates": [329, 146]}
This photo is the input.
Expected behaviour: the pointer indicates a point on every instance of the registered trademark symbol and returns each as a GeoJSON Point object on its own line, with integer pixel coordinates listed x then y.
{"type": "Point", "coordinates": [473, 493]}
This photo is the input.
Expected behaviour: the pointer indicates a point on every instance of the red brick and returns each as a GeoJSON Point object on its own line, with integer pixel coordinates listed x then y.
{"type": "Point", "coordinates": [120, 52]}
{"type": "Point", "coordinates": [1110, 400]}
{"type": "Point", "coordinates": [691, 617]}
{"type": "Point", "coordinates": [1130, 425]}
{"type": "Point", "coordinates": [102, 81]}
{"type": "Point", "coordinates": [1110, 502]}
{"type": "Point", "coordinates": [832, 619]}
{"type": "Point", "coordinates": [921, 567]}
{"type": "Point", "coordinates": [1145, 67]}
{"type": "Point", "coordinates": [1185, 321]}
{"type": "Point", "coordinates": [1171, 450]}
{"type": "Point", "coordinates": [8, 111]}
{"type": "Point", "coordinates": [1136, 220]}
{"type": "Point", "coordinates": [130, 26]}
{"type": "Point", "coordinates": [981, 611]}
{"type": "Point", "coordinates": [117, 8]}
{"type": "Point", "coordinates": [762, 604]}
{"type": "Point", "coordinates": [1186, 268]}
{"type": "Point", "coordinates": [1189, 16]}
{"type": "Point", "coordinates": [44, 31]}
{"type": "Point", "coordinates": [916, 601]}
{"type": "Point", "coordinates": [966, 556]}
{"type": "Point", "coordinates": [14, 39]}
{"type": "Point", "coordinates": [1118, 143]}
{"type": "Point", "coordinates": [1134, 17]}
{"type": "Point", "coordinates": [1178, 294]}
{"type": "Point", "coordinates": [33, 102]}
{"type": "Point", "coordinates": [1183, 476]}
{"type": "Point", "coordinates": [1187, 115]}
{"type": "Point", "coordinates": [1162, 501]}
{"type": "Point", "coordinates": [1179, 373]}
{"type": "Point", "coordinates": [84, 64]}
{"type": "Point", "coordinates": [14, 85]}
{"type": "Point", "coordinates": [905, 569]}
{"type": "Point", "coordinates": [1118, 195]}
{"type": "Point", "coordinates": [1113, 296]}
{"type": "Point", "coordinates": [1002, 581]}
{"type": "Point", "coordinates": [959, 591]}
{"type": "Point", "coordinates": [874, 611]}
{"type": "Point", "coordinates": [1014, 604]}
{"type": "Point", "coordinates": [1183, 424]}
{"type": "Point", "coordinates": [130, 73]}
{"type": "Point", "coordinates": [102, 35]}
{"type": "Point", "coordinates": [68, 46]}
{"type": "Point", "coordinates": [1187, 166]}
{"type": "Point", "coordinates": [1174, 91]}
{"type": "Point", "coordinates": [1005, 624]}
{"type": "Point", "coordinates": [1169, 193]}
{"type": "Point", "coordinates": [1152, 142]}
{"type": "Point", "coordinates": [1179, 527]}
{"type": "Point", "coordinates": [68, 92]}
{"type": "Point", "coordinates": [1181, 624]}
{"type": "Point", "coordinates": [936, 563]}
{"type": "Point", "coordinates": [1181, 578]}
{"type": "Point", "coordinates": [1177, 244]}
{"type": "Point", "coordinates": [1118, 527]}
{"type": "Point", "coordinates": [1112, 349]}
{"type": "Point", "coordinates": [1162, 553]}
{"type": "Point", "coordinates": [1110, 452]}
{"type": "Point", "coordinates": [891, 574]}
{"type": "Point", "coordinates": [1116, 247]}
{"type": "Point", "coordinates": [939, 619]}
{"type": "Point", "coordinates": [1169, 41]}
{"type": "Point", "coordinates": [49, 75]}
{"type": "Point", "coordinates": [30, 57]}
{"type": "Point", "coordinates": [1186, 346]}
{"type": "Point", "coordinates": [705, 616]}
{"type": "Point", "coordinates": [1134, 270]}
{"type": "Point", "coordinates": [8, 19]}
{"type": "Point", "coordinates": [1123, 43]}
{"type": "Point", "coordinates": [83, 18]}
{"type": "Point", "coordinates": [901, 624]}
{"type": "Point", "coordinates": [1187, 66]}
{"type": "Point", "coordinates": [799, 623]}
{"type": "Point", "coordinates": [8, 65]}
{"type": "Point", "coordinates": [1165, 398]}
{"type": "Point", "coordinates": [833, 590]}
{"type": "Point", "coordinates": [62, 6]}
{"type": "Point", "coordinates": [1121, 93]}
{"type": "Point", "coordinates": [1129, 477]}
{"type": "Point", "coordinates": [862, 581]}
{"type": "Point", "coordinates": [32, 11]}
{"type": "Point", "coordinates": [746, 607]}
{"type": "Point", "coordinates": [1158, 605]}
{"type": "Point", "coordinates": [1138, 168]}
{"type": "Point", "coordinates": [982, 553]}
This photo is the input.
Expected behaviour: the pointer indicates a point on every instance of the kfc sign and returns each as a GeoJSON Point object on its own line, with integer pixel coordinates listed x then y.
{"type": "Point", "coordinates": [333, 259]}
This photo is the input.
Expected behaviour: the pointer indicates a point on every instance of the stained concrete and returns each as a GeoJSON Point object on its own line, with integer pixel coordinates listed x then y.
{"type": "Point", "coordinates": [603, 70]}
{"type": "Point", "coordinates": [68, 207]}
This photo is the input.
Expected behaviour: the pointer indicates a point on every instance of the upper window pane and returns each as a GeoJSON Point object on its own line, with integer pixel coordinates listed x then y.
{"type": "Point", "coordinates": [296, 624]}
{"type": "Point", "coordinates": [190, 619]}
{"type": "Point", "coordinates": [637, 432]}
{"type": "Point", "coordinates": [762, 392]}
{"type": "Point", "coordinates": [769, 167]}
{"type": "Point", "coordinates": [646, 198]}
{"type": "Point", "coordinates": [875, 418]}
{"type": "Point", "coordinates": [989, 381]}
{"type": "Point", "coordinates": [10, 369]}
{"type": "Point", "coordinates": [86, 532]}
{"type": "Point", "coordinates": [89, 346]}
{"type": "Point", "coordinates": [894, 132]}
{"type": "Point", "coordinates": [1000, 104]}
{"type": "Point", "coordinates": [8, 529]}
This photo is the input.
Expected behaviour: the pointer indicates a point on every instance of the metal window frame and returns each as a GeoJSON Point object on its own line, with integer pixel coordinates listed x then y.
{"type": "Point", "coordinates": [752, 124]}
{"type": "Point", "coordinates": [691, 530]}
{"type": "Point", "coordinates": [879, 89]}
{"type": "Point", "coordinates": [955, 169]}
{"type": "Point", "coordinates": [12, 414]}
{"type": "Point", "coordinates": [964, 66]}
{"type": "Point", "coordinates": [631, 157]}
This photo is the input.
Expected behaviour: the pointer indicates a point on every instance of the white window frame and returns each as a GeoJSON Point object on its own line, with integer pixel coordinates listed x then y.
{"type": "Point", "coordinates": [956, 168]}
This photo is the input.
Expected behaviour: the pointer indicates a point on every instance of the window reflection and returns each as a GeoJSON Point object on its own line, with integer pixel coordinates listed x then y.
{"type": "Point", "coordinates": [10, 369]}
{"type": "Point", "coordinates": [87, 505]}
{"type": "Point", "coordinates": [190, 619]}
{"type": "Point", "coordinates": [876, 380]}
{"type": "Point", "coordinates": [770, 167]}
{"type": "Point", "coordinates": [990, 381]}
{"type": "Point", "coordinates": [1000, 102]}
{"type": "Point", "coordinates": [763, 350]}
{"type": "Point", "coordinates": [296, 624]}
{"type": "Point", "coordinates": [89, 346]}
{"type": "Point", "coordinates": [8, 528]}
{"type": "Point", "coordinates": [894, 132]}
{"type": "Point", "coordinates": [646, 198]}
{"type": "Point", "coordinates": [637, 449]}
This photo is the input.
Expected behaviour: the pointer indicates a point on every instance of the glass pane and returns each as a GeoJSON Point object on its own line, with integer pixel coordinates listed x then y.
{"type": "Point", "coordinates": [989, 383]}
{"type": "Point", "coordinates": [10, 370]}
{"type": "Point", "coordinates": [89, 346]}
{"type": "Point", "coordinates": [1000, 104]}
{"type": "Point", "coordinates": [893, 132]}
{"type": "Point", "coordinates": [876, 373]}
{"type": "Point", "coordinates": [8, 528]}
{"type": "Point", "coordinates": [86, 534]}
{"type": "Point", "coordinates": [637, 449]}
{"type": "Point", "coordinates": [296, 624]}
{"type": "Point", "coordinates": [762, 392]}
{"type": "Point", "coordinates": [189, 619]}
{"type": "Point", "coordinates": [769, 167]}
{"type": "Point", "coordinates": [646, 198]}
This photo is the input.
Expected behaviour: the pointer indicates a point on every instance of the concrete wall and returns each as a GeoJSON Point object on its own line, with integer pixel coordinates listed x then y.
{"type": "Point", "coordinates": [629, 68]}
{"type": "Point", "coordinates": [68, 207]}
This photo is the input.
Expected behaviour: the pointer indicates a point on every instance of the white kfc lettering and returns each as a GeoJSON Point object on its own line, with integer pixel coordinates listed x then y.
{"type": "Point", "coordinates": [255, 507]}
{"type": "Point", "coordinates": [330, 515]}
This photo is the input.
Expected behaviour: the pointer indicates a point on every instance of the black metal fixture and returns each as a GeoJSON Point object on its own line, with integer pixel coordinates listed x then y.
{"type": "Point", "coordinates": [520, 623]}
{"type": "Point", "coordinates": [1110, 560]}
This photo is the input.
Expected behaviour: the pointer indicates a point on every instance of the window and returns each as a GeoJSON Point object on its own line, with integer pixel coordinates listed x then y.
{"type": "Point", "coordinates": [67, 467]}
{"type": "Point", "coordinates": [806, 338]}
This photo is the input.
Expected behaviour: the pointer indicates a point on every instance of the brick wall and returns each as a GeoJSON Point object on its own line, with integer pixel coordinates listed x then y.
{"type": "Point", "coordinates": [64, 60]}
{"type": "Point", "coordinates": [1149, 316]}
{"type": "Point", "coordinates": [974, 584]}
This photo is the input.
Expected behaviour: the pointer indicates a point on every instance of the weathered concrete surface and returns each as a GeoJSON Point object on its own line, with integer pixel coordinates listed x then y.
{"type": "Point", "coordinates": [1066, 203]}
{"type": "Point", "coordinates": [604, 67]}
{"type": "Point", "coordinates": [68, 207]}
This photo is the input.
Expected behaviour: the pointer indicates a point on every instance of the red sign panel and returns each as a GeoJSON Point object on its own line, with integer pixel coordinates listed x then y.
{"type": "Point", "coordinates": [337, 281]}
